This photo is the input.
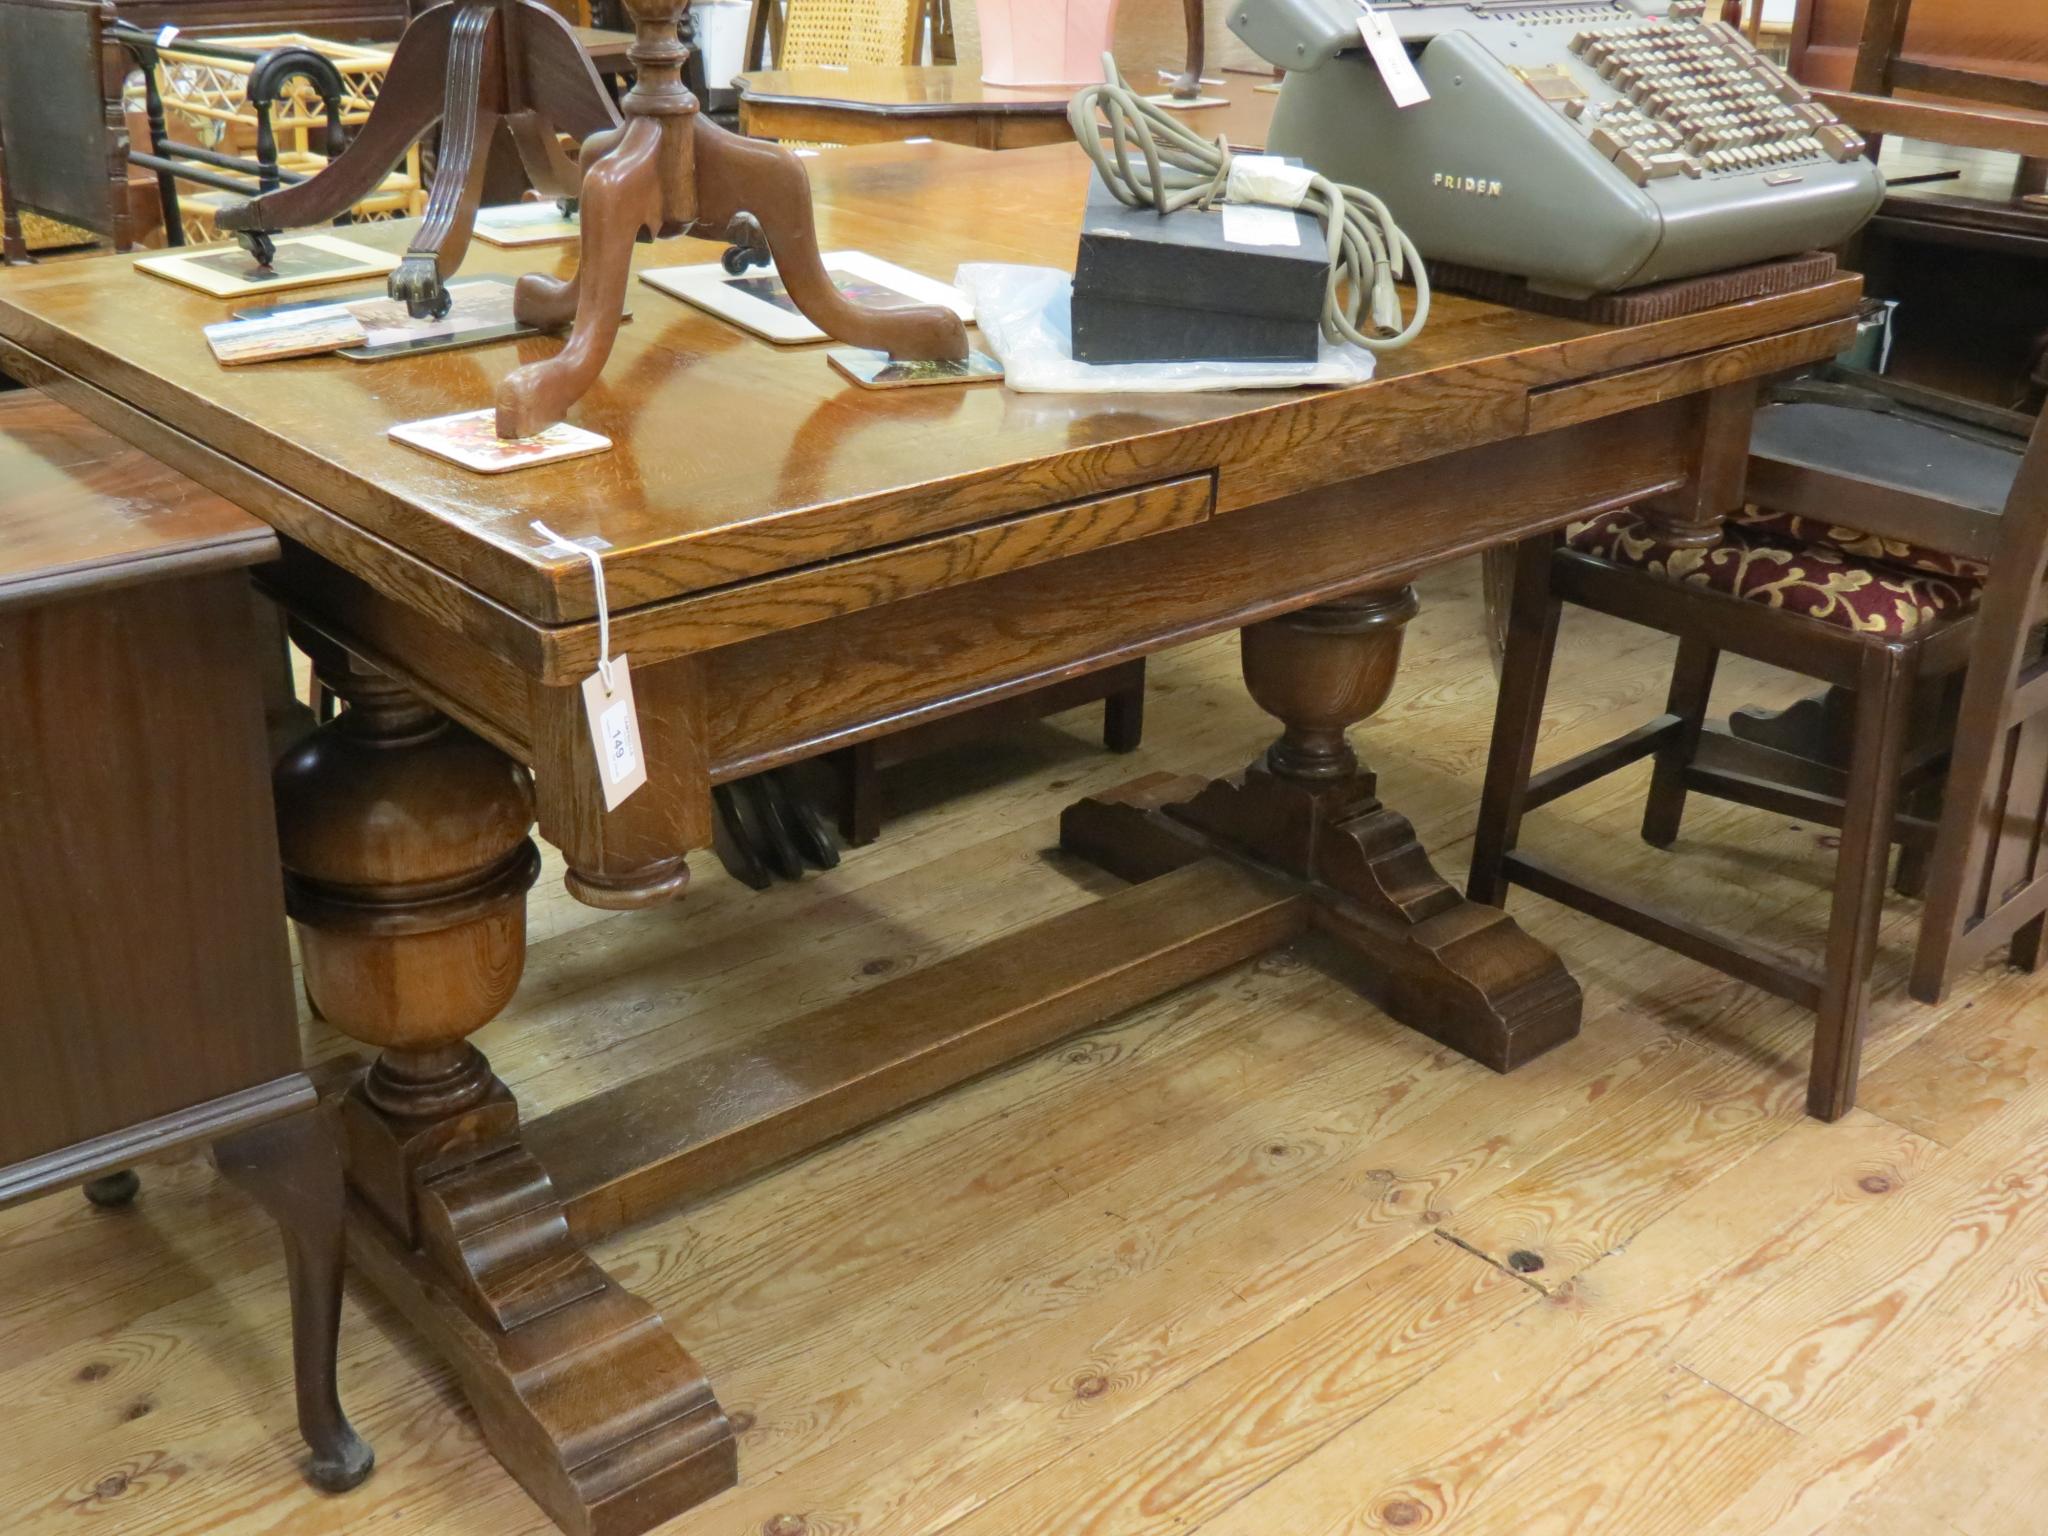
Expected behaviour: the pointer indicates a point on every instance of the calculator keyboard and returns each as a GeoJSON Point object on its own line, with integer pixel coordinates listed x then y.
{"type": "Point", "coordinates": [1697, 100]}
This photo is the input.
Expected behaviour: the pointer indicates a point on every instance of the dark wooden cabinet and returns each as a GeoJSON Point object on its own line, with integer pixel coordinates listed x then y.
{"type": "Point", "coordinates": [145, 979]}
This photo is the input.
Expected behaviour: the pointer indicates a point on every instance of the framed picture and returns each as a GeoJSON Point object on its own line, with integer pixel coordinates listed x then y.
{"type": "Point", "coordinates": [229, 272]}
{"type": "Point", "coordinates": [757, 301]}
{"type": "Point", "coordinates": [877, 370]}
{"type": "Point", "coordinates": [526, 224]}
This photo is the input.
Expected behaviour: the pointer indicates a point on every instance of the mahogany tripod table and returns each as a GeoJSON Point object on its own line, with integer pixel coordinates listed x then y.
{"type": "Point", "coordinates": [792, 565]}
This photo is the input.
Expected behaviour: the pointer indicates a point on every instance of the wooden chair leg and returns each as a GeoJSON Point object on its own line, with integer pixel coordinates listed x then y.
{"type": "Point", "coordinates": [1123, 717]}
{"type": "Point", "coordinates": [292, 1168]}
{"type": "Point", "coordinates": [1517, 718]}
{"type": "Point", "coordinates": [1883, 697]}
{"type": "Point", "coordinates": [1692, 684]}
{"type": "Point", "coordinates": [2030, 945]}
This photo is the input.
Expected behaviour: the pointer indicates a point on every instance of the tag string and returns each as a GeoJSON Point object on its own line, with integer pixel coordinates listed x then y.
{"type": "Point", "coordinates": [604, 609]}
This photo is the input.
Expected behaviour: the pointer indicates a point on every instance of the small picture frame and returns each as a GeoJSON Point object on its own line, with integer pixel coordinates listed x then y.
{"type": "Point", "coordinates": [229, 272]}
{"type": "Point", "coordinates": [757, 301]}
{"type": "Point", "coordinates": [877, 370]}
{"type": "Point", "coordinates": [517, 224]}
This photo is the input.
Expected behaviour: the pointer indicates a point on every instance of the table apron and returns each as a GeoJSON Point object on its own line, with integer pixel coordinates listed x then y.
{"type": "Point", "coordinates": [791, 695]}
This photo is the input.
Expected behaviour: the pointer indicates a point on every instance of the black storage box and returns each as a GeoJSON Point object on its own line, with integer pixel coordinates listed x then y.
{"type": "Point", "coordinates": [1168, 289]}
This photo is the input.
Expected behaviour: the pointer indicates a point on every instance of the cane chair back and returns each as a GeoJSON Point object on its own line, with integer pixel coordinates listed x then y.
{"type": "Point", "coordinates": [1988, 883]}
{"type": "Point", "coordinates": [851, 32]}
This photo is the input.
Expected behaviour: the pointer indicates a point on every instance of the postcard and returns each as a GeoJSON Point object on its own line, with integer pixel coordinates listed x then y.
{"type": "Point", "coordinates": [301, 333]}
{"type": "Point", "coordinates": [471, 440]}
{"type": "Point", "coordinates": [229, 272]}
{"type": "Point", "coordinates": [526, 224]}
{"type": "Point", "coordinates": [877, 370]}
{"type": "Point", "coordinates": [757, 301]}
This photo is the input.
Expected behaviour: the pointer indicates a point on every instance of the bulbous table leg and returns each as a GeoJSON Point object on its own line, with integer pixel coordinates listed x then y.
{"type": "Point", "coordinates": [1458, 972]}
{"type": "Point", "coordinates": [407, 863]}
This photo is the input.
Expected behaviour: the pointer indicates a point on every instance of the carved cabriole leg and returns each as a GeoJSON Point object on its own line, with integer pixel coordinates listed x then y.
{"type": "Point", "coordinates": [407, 864]}
{"type": "Point", "coordinates": [408, 104]}
{"type": "Point", "coordinates": [1458, 972]}
{"type": "Point", "coordinates": [291, 1168]}
{"type": "Point", "coordinates": [475, 94]}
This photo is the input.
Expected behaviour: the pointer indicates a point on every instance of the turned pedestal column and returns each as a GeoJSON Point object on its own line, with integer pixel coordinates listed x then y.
{"type": "Point", "coordinates": [1458, 972]}
{"type": "Point", "coordinates": [407, 862]}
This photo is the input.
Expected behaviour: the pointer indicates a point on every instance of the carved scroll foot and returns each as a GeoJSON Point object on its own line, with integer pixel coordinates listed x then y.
{"type": "Point", "coordinates": [580, 1388]}
{"type": "Point", "coordinates": [1460, 973]}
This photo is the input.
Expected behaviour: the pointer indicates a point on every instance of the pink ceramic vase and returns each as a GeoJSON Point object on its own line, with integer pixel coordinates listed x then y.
{"type": "Point", "coordinates": [1050, 43]}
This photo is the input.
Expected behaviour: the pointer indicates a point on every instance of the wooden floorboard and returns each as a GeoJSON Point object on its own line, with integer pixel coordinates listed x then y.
{"type": "Point", "coordinates": [1249, 1261]}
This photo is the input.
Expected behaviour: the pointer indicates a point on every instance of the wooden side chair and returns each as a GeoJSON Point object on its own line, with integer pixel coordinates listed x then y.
{"type": "Point", "coordinates": [1941, 572]}
{"type": "Point", "coordinates": [1972, 67]}
{"type": "Point", "coordinates": [63, 132]}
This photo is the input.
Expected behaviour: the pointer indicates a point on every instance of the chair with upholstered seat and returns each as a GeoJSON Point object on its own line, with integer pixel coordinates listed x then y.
{"type": "Point", "coordinates": [1890, 549]}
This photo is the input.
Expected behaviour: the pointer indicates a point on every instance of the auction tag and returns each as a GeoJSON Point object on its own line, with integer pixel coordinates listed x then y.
{"type": "Point", "coordinates": [1256, 224]}
{"type": "Point", "coordinates": [614, 731]}
{"type": "Point", "coordinates": [1391, 54]}
{"type": "Point", "coordinates": [607, 692]}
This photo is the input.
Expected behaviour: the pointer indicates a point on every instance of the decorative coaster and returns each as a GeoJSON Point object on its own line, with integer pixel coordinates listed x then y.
{"type": "Point", "coordinates": [471, 439]}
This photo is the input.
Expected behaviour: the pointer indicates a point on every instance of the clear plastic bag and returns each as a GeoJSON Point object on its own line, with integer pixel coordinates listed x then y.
{"type": "Point", "coordinates": [1025, 321]}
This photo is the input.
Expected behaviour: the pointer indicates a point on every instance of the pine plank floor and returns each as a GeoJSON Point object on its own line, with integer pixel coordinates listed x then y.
{"type": "Point", "coordinates": [1252, 1261]}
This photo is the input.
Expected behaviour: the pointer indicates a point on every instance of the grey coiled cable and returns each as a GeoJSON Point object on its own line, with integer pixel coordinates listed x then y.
{"type": "Point", "coordinates": [1181, 169]}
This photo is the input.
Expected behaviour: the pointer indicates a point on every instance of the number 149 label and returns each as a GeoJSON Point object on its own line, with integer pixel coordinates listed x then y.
{"type": "Point", "coordinates": [614, 733]}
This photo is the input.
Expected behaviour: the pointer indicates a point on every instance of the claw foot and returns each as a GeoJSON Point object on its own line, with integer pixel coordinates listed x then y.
{"type": "Point", "coordinates": [417, 284]}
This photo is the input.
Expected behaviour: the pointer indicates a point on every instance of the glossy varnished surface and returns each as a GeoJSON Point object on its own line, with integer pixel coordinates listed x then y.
{"type": "Point", "coordinates": [897, 90]}
{"type": "Point", "coordinates": [81, 510]}
{"type": "Point", "coordinates": [869, 104]}
{"type": "Point", "coordinates": [737, 459]}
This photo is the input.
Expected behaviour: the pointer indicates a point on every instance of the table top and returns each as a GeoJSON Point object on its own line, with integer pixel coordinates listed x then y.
{"type": "Point", "coordinates": [607, 49]}
{"type": "Point", "coordinates": [911, 91]}
{"type": "Point", "coordinates": [735, 458]}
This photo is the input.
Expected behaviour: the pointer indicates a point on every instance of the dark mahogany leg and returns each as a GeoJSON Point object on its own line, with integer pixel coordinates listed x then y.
{"type": "Point", "coordinates": [1692, 687]}
{"type": "Point", "coordinates": [408, 104]}
{"type": "Point", "coordinates": [1188, 85]}
{"type": "Point", "coordinates": [292, 1169]}
{"type": "Point", "coordinates": [1529, 636]}
{"type": "Point", "coordinates": [407, 865]}
{"type": "Point", "coordinates": [1456, 971]}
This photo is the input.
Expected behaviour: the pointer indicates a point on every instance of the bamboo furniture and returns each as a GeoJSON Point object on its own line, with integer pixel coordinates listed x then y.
{"type": "Point", "coordinates": [1861, 569]}
{"type": "Point", "coordinates": [795, 566]}
{"type": "Point", "coordinates": [227, 95]}
{"type": "Point", "coordinates": [147, 1003]}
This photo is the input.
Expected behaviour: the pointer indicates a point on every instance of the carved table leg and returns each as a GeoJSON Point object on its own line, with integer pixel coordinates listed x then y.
{"type": "Point", "coordinates": [293, 1171]}
{"type": "Point", "coordinates": [1458, 972]}
{"type": "Point", "coordinates": [475, 95]}
{"type": "Point", "coordinates": [407, 865]}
